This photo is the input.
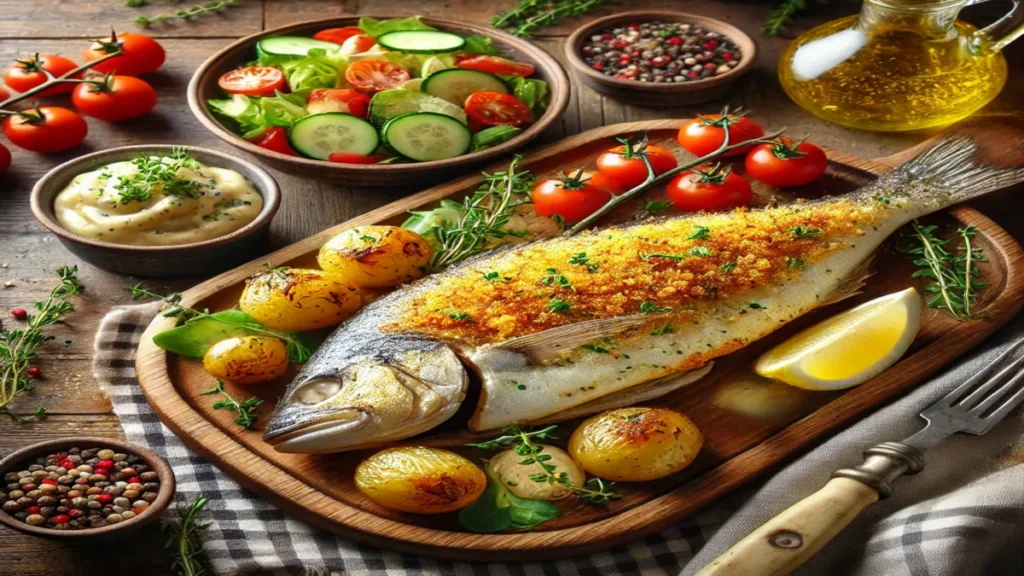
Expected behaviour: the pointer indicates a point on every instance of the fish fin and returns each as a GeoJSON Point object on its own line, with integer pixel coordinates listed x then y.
{"type": "Point", "coordinates": [550, 344]}
{"type": "Point", "coordinates": [852, 284]}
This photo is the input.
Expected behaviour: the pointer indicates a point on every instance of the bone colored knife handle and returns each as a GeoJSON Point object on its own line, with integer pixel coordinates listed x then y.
{"type": "Point", "coordinates": [791, 538]}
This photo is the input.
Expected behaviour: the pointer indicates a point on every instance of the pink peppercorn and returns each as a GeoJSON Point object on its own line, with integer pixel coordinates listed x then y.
{"type": "Point", "coordinates": [19, 313]}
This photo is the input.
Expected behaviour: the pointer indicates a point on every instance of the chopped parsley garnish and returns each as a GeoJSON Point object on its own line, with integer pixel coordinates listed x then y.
{"type": "Point", "coordinates": [675, 257]}
{"type": "Point", "coordinates": [553, 278]}
{"type": "Point", "coordinates": [700, 233]}
{"type": "Point", "coordinates": [805, 231]}
{"type": "Point", "coordinates": [520, 386]}
{"type": "Point", "coordinates": [582, 259]}
{"type": "Point", "coordinates": [461, 316]}
{"type": "Point", "coordinates": [880, 198]}
{"type": "Point", "coordinates": [795, 263]}
{"type": "Point", "coordinates": [494, 276]}
{"type": "Point", "coordinates": [652, 308]}
{"type": "Point", "coordinates": [701, 251]}
{"type": "Point", "coordinates": [366, 238]}
{"type": "Point", "coordinates": [559, 306]}
{"type": "Point", "coordinates": [158, 172]}
{"type": "Point", "coordinates": [221, 205]}
{"type": "Point", "coordinates": [595, 348]}
{"type": "Point", "coordinates": [757, 306]}
{"type": "Point", "coordinates": [728, 266]}
{"type": "Point", "coordinates": [662, 330]}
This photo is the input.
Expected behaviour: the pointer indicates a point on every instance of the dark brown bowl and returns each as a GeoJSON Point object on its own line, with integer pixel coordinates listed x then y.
{"type": "Point", "coordinates": [204, 86]}
{"type": "Point", "coordinates": [660, 94]}
{"type": "Point", "coordinates": [196, 259]}
{"type": "Point", "coordinates": [14, 461]}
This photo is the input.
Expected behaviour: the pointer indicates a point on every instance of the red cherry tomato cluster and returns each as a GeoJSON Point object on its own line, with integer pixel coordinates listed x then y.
{"type": "Point", "coordinates": [114, 97]}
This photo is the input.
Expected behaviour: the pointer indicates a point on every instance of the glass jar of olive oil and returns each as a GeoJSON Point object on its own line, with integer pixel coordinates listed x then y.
{"type": "Point", "coordinates": [899, 65]}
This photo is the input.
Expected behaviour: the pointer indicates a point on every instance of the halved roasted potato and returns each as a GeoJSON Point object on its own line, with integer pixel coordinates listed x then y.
{"type": "Point", "coordinates": [376, 256]}
{"type": "Point", "coordinates": [247, 359]}
{"type": "Point", "coordinates": [420, 480]}
{"type": "Point", "coordinates": [297, 299]}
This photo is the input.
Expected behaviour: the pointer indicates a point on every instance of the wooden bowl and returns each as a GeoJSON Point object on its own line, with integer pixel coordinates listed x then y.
{"type": "Point", "coordinates": [204, 86]}
{"type": "Point", "coordinates": [21, 459]}
{"type": "Point", "coordinates": [195, 259]}
{"type": "Point", "coordinates": [667, 94]}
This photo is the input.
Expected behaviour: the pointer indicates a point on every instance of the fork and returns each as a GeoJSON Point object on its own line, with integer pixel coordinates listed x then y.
{"type": "Point", "coordinates": [791, 538]}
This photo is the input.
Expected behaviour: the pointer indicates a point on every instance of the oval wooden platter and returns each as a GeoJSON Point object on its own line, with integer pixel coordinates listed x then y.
{"type": "Point", "coordinates": [750, 424]}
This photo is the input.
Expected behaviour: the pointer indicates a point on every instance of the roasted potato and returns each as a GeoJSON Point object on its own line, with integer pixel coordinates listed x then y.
{"type": "Point", "coordinates": [515, 477]}
{"type": "Point", "coordinates": [420, 480]}
{"type": "Point", "coordinates": [296, 299]}
{"type": "Point", "coordinates": [247, 359]}
{"type": "Point", "coordinates": [635, 444]}
{"type": "Point", "coordinates": [376, 256]}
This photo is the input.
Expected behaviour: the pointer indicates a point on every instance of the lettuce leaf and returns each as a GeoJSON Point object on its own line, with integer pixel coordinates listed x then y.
{"type": "Point", "coordinates": [479, 45]}
{"type": "Point", "coordinates": [374, 27]}
{"type": "Point", "coordinates": [530, 91]}
{"type": "Point", "coordinates": [284, 109]}
{"type": "Point", "coordinates": [254, 115]}
{"type": "Point", "coordinates": [245, 111]}
{"type": "Point", "coordinates": [313, 71]}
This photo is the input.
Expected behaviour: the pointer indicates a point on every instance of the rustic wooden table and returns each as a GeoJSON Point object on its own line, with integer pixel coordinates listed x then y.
{"type": "Point", "coordinates": [30, 255]}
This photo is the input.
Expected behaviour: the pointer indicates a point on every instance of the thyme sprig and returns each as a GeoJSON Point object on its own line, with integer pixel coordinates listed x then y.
{"type": "Point", "coordinates": [531, 14]}
{"type": "Point", "coordinates": [161, 172]}
{"type": "Point", "coordinates": [184, 14]}
{"type": "Point", "coordinates": [954, 283]}
{"type": "Point", "coordinates": [183, 539]}
{"type": "Point", "coordinates": [782, 14]}
{"type": "Point", "coordinates": [594, 491]}
{"type": "Point", "coordinates": [245, 409]}
{"type": "Point", "coordinates": [18, 345]}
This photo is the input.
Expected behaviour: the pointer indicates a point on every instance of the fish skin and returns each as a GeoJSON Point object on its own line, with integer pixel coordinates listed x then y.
{"type": "Point", "coordinates": [503, 330]}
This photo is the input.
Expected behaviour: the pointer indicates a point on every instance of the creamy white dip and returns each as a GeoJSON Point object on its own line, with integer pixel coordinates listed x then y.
{"type": "Point", "coordinates": [157, 201]}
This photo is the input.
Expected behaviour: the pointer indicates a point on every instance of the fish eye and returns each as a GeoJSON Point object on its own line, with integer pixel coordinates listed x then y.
{"type": "Point", "coordinates": [317, 390]}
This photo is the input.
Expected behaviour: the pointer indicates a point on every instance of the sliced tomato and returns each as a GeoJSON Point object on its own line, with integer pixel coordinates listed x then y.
{"type": "Point", "coordinates": [252, 81]}
{"type": "Point", "coordinates": [358, 44]}
{"type": "Point", "coordinates": [343, 100]}
{"type": "Point", "coordinates": [349, 158]}
{"type": "Point", "coordinates": [372, 76]}
{"type": "Point", "coordinates": [494, 108]}
{"type": "Point", "coordinates": [275, 138]}
{"type": "Point", "coordinates": [338, 35]}
{"type": "Point", "coordinates": [496, 65]}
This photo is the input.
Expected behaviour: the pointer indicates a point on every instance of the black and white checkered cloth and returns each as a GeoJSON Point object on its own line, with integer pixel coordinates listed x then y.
{"type": "Point", "coordinates": [962, 516]}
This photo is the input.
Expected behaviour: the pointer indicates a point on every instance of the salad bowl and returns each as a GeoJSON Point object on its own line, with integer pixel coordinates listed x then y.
{"type": "Point", "coordinates": [204, 87]}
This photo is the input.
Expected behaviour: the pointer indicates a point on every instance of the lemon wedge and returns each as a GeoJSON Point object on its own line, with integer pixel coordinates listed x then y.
{"type": "Point", "coordinates": [849, 348]}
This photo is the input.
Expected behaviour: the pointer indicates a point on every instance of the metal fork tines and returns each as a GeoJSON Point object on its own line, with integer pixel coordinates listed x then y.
{"type": "Point", "coordinates": [979, 403]}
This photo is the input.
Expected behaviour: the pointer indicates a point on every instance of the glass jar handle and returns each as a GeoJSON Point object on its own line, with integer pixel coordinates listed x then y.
{"type": "Point", "coordinates": [997, 35]}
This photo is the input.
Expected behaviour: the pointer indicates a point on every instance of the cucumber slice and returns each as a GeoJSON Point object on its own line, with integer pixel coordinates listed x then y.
{"type": "Point", "coordinates": [318, 135]}
{"type": "Point", "coordinates": [455, 84]}
{"type": "Point", "coordinates": [421, 41]}
{"type": "Point", "coordinates": [426, 136]}
{"type": "Point", "coordinates": [388, 104]}
{"type": "Point", "coordinates": [292, 45]}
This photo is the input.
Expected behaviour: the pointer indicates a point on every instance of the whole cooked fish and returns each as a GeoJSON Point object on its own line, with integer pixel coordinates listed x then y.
{"type": "Point", "coordinates": [569, 325]}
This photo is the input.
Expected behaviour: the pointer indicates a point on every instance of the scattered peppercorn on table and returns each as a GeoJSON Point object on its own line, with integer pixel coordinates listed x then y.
{"type": "Point", "coordinates": [74, 405]}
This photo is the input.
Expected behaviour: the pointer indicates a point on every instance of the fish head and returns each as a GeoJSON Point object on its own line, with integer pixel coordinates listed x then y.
{"type": "Point", "coordinates": [390, 389]}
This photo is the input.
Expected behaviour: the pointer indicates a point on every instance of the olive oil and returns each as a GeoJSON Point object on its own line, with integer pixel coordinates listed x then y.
{"type": "Point", "coordinates": [891, 74]}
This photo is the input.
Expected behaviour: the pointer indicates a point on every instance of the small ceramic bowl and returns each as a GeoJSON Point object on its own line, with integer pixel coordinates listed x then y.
{"type": "Point", "coordinates": [21, 459]}
{"type": "Point", "coordinates": [195, 259]}
{"type": "Point", "coordinates": [660, 94]}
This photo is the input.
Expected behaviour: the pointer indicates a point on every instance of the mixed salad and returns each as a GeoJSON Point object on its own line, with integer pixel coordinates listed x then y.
{"type": "Point", "coordinates": [388, 91]}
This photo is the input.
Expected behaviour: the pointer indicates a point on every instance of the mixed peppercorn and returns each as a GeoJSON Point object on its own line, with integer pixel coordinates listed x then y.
{"type": "Point", "coordinates": [79, 489]}
{"type": "Point", "coordinates": [664, 52]}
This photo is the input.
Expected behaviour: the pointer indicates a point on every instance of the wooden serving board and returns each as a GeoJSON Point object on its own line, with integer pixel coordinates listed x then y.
{"type": "Point", "coordinates": [750, 424]}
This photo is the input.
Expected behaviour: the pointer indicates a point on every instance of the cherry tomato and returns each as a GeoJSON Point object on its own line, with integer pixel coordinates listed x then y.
{"type": "Point", "coordinates": [26, 74]}
{"type": "Point", "coordinates": [141, 54]}
{"type": "Point", "coordinates": [704, 134]}
{"type": "Point", "coordinates": [115, 98]}
{"type": "Point", "coordinates": [573, 197]}
{"type": "Point", "coordinates": [624, 165]}
{"type": "Point", "coordinates": [47, 129]}
{"type": "Point", "coordinates": [782, 164]}
{"type": "Point", "coordinates": [338, 35]}
{"type": "Point", "coordinates": [5, 159]}
{"type": "Point", "coordinates": [358, 44]}
{"type": "Point", "coordinates": [372, 76]}
{"type": "Point", "coordinates": [496, 65]}
{"type": "Point", "coordinates": [337, 100]}
{"type": "Point", "coordinates": [349, 158]}
{"type": "Point", "coordinates": [252, 81]}
{"type": "Point", "coordinates": [274, 138]}
{"type": "Point", "coordinates": [709, 188]}
{"type": "Point", "coordinates": [493, 108]}
{"type": "Point", "coordinates": [4, 94]}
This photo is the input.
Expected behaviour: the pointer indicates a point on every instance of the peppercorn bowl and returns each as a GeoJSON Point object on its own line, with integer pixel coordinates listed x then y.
{"type": "Point", "coordinates": [671, 82]}
{"type": "Point", "coordinates": [98, 506]}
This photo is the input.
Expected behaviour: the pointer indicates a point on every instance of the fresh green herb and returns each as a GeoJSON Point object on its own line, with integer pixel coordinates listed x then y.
{"type": "Point", "coordinates": [595, 348]}
{"type": "Point", "coordinates": [493, 276]}
{"type": "Point", "coordinates": [700, 251]}
{"type": "Point", "coordinates": [366, 238]}
{"type": "Point", "coordinates": [529, 14]}
{"type": "Point", "coordinates": [728, 266]}
{"type": "Point", "coordinates": [461, 316]}
{"type": "Point", "coordinates": [662, 330]}
{"type": "Point", "coordinates": [880, 198]}
{"type": "Point", "coordinates": [221, 205]}
{"type": "Point", "coordinates": [582, 259]}
{"type": "Point", "coordinates": [553, 278]}
{"type": "Point", "coordinates": [41, 414]}
{"type": "Point", "coordinates": [183, 539]}
{"type": "Point", "coordinates": [185, 14]}
{"type": "Point", "coordinates": [805, 231]}
{"type": "Point", "coordinates": [559, 306]}
{"type": "Point", "coordinates": [795, 263]}
{"type": "Point", "coordinates": [245, 409]}
{"type": "Point", "coordinates": [652, 308]}
{"type": "Point", "coordinates": [757, 306]}
{"type": "Point", "coordinates": [675, 257]}
{"type": "Point", "coordinates": [953, 277]}
{"type": "Point", "coordinates": [497, 509]}
{"type": "Point", "coordinates": [652, 207]}
{"type": "Point", "coordinates": [158, 172]}
{"type": "Point", "coordinates": [700, 233]}
{"type": "Point", "coordinates": [18, 345]}
{"type": "Point", "coordinates": [781, 15]}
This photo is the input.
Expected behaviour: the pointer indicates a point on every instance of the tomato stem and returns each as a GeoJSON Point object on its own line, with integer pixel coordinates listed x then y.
{"type": "Point", "coordinates": [62, 79]}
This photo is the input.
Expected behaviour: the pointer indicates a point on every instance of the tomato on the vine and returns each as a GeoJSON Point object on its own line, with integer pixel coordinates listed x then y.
{"type": "Point", "coordinates": [371, 76]}
{"type": "Point", "coordinates": [705, 134]}
{"type": "Point", "coordinates": [323, 100]}
{"type": "Point", "coordinates": [26, 74]}
{"type": "Point", "coordinates": [350, 158]}
{"type": "Point", "coordinates": [252, 81]}
{"type": "Point", "coordinates": [784, 163]}
{"type": "Point", "coordinates": [572, 197]}
{"type": "Point", "coordinates": [4, 94]}
{"type": "Point", "coordinates": [496, 65]}
{"type": "Point", "coordinates": [274, 138]}
{"type": "Point", "coordinates": [5, 159]}
{"type": "Point", "coordinates": [495, 108]}
{"type": "Point", "coordinates": [709, 188]}
{"type": "Point", "coordinates": [114, 98]}
{"type": "Point", "coordinates": [141, 54]}
{"type": "Point", "coordinates": [338, 35]}
{"type": "Point", "coordinates": [46, 129]}
{"type": "Point", "coordinates": [625, 165]}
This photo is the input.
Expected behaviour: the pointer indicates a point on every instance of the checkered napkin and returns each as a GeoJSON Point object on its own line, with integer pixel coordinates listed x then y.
{"type": "Point", "coordinates": [962, 516]}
